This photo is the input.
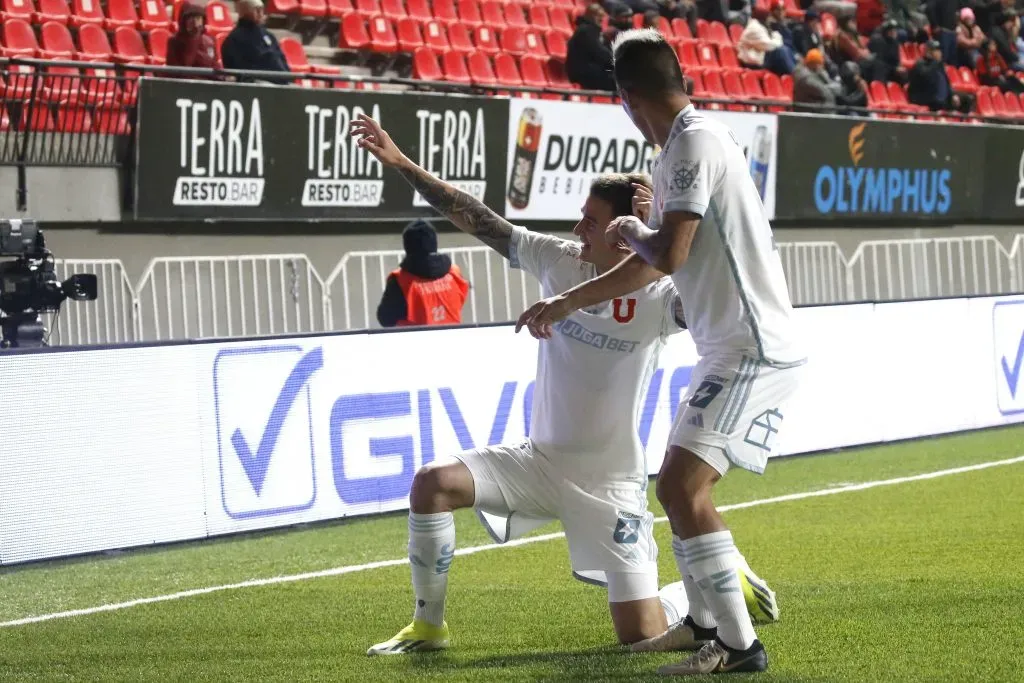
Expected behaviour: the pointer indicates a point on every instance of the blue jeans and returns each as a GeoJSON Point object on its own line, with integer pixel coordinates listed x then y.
{"type": "Point", "coordinates": [780, 61]}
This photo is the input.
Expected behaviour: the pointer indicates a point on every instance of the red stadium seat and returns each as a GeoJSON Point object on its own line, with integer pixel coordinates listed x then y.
{"type": "Point", "coordinates": [706, 56]}
{"type": "Point", "coordinates": [506, 70]}
{"type": "Point", "coordinates": [339, 8]}
{"type": "Point", "coordinates": [158, 38]}
{"type": "Point", "coordinates": [984, 105]}
{"type": "Point", "coordinates": [295, 55]}
{"type": "Point", "coordinates": [1022, 100]}
{"type": "Point", "coordinates": [829, 26]}
{"type": "Point", "coordinates": [794, 12]}
{"type": "Point", "coordinates": [898, 99]}
{"type": "Point", "coordinates": [20, 80]}
{"type": "Point", "coordinates": [61, 84]}
{"type": "Point", "coordinates": [682, 32]}
{"type": "Point", "coordinates": [392, 9]}
{"type": "Point", "coordinates": [382, 35]}
{"type": "Point", "coordinates": [87, 12]}
{"type": "Point", "coordinates": [531, 68]}
{"type": "Point", "coordinates": [128, 46]}
{"type": "Point", "coordinates": [787, 86]}
{"type": "Point", "coordinates": [367, 8]}
{"type": "Point", "coordinates": [218, 40]}
{"type": "Point", "coordinates": [908, 55]}
{"type": "Point", "coordinates": [218, 19]}
{"type": "Point", "coordinates": [121, 13]}
{"type": "Point", "coordinates": [687, 53]}
{"type": "Point", "coordinates": [534, 44]}
{"type": "Point", "coordinates": [481, 71]}
{"type": "Point", "coordinates": [513, 41]}
{"type": "Point", "coordinates": [554, 70]}
{"type": "Point", "coordinates": [453, 64]}
{"type": "Point", "coordinates": [93, 43]}
{"type": "Point", "coordinates": [17, 9]}
{"type": "Point", "coordinates": [967, 81]}
{"type": "Point", "coordinates": [52, 10]}
{"type": "Point", "coordinates": [435, 37]}
{"type": "Point", "coordinates": [5, 119]}
{"type": "Point", "coordinates": [559, 20]}
{"type": "Point", "coordinates": [515, 16]}
{"type": "Point", "coordinates": [715, 88]}
{"type": "Point", "coordinates": [425, 65]}
{"type": "Point", "coordinates": [459, 39]}
{"type": "Point", "coordinates": [734, 89]}
{"type": "Point", "coordinates": [702, 28]}
{"type": "Point", "coordinates": [56, 42]}
{"type": "Point", "coordinates": [445, 12]}
{"type": "Point", "coordinates": [419, 9]}
{"type": "Point", "coordinates": [408, 33]}
{"type": "Point", "coordinates": [111, 121]}
{"type": "Point", "coordinates": [314, 8]}
{"type": "Point", "coordinates": [38, 118]}
{"type": "Point", "coordinates": [486, 41]}
{"type": "Point", "coordinates": [353, 34]}
{"type": "Point", "coordinates": [716, 33]}
{"type": "Point", "coordinates": [538, 17]}
{"type": "Point", "coordinates": [752, 85]}
{"type": "Point", "coordinates": [735, 31]}
{"type": "Point", "coordinates": [1012, 106]}
{"type": "Point", "coordinates": [73, 119]}
{"type": "Point", "coordinates": [880, 96]}
{"type": "Point", "coordinates": [19, 39]}
{"type": "Point", "coordinates": [99, 87]}
{"type": "Point", "coordinates": [469, 13]}
{"type": "Point", "coordinates": [153, 16]}
{"type": "Point", "coordinates": [727, 58]}
{"type": "Point", "coordinates": [773, 89]}
{"type": "Point", "coordinates": [556, 44]}
{"type": "Point", "coordinates": [492, 15]}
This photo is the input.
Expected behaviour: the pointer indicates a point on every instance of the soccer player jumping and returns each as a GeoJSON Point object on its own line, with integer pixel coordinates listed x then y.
{"type": "Point", "coordinates": [709, 231]}
{"type": "Point", "coordinates": [583, 463]}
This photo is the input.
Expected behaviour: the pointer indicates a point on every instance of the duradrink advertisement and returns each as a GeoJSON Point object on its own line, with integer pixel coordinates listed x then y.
{"type": "Point", "coordinates": [188, 441]}
{"type": "Point", "coordinates": [842, 168]}
{"type": "Point", "coordinates": [555, 150]}
{"type": "Point", "coordinates": [227, 151]}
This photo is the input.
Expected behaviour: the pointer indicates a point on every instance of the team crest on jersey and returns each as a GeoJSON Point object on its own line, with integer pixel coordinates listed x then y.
{"type": "Point", "coordinates": [623, 310]}
{"type": "Point", "coordinates": [627, 528]}
{"type": "Point", "coordinates": [685, 175]}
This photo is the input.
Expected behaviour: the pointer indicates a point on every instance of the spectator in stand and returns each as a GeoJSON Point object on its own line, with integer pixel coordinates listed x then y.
{"type": "Point", "coordinates": [847, 42]}
{"type": "Point", "coordinates": [251, 47]}
{"type": "Point", "coordinates": [776, 23]}
{"type": "Point", "coordinates": [812, 84]}
{"type": "Point", "coordinates": [930, 87]}
{"type": "Point", "coordinates": [1005, 39]}
{"type": "Point", "coordinates": [854, 90]}
{"type": "Point", "coordinates": [942, 15]}
{"type": "Point", "coordinates": [807, 36]}
{"type": "Point", "coordinates": [192, 46]}
{"type": "Point", "coordinates": [968, 39]}
{"type": "Point", "coordinates": [427, 288]}
{"type": "Point", "coordinates": [909, 18]}
{"type": "Point", "coordinates": [885, 46]}
{"type": "Point", "coordinates": [992, 69]}
{"type": "Point", "coordinates": [758, 48]}
{"type": "Point", "coordinates": [870, 15]}
{"type": "Point", "coordinates": [588, 61]}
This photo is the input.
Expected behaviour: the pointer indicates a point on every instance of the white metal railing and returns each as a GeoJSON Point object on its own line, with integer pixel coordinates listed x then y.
{"type": "Point", "coordinates": [108, 320]}
{"type": "Point", "coordinates": [230, 296]}
{"type": "Point", "coordinates": [497, 292]}
{"type": "Point", "coordinates": [236, 296]}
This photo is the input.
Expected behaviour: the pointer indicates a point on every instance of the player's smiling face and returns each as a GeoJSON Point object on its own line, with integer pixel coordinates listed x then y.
{"type": "Point", "coordinates": [597, 214]}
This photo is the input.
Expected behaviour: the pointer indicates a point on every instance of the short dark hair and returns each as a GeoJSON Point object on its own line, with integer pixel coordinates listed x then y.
{"type": "Point", "coordinates": [646, 65]}
{"type": "Point", "coordinates": [617, 190]}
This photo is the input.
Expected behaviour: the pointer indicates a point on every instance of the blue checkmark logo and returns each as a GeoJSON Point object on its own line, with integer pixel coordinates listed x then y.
{"type": "Point", "coordinates": [249, 439]}
{"type": "Point", "coordinates": [1012, 375]}
{"type": "Point", "coordinates": [256, 464]}
{"type": "Point", "coordinates": [1008, 337]}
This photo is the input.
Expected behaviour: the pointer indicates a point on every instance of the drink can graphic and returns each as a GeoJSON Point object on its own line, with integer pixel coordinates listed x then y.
{"type": "Point", "coordinates": [761, 159]}
{"type": "Point", "coordinates": [524, 159]}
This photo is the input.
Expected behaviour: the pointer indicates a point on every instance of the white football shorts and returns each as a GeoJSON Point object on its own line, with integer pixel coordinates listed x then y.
{"type": "Point", "coordinates": [607, 526]}
{"type": "Point", "coordinates": [733, 411]}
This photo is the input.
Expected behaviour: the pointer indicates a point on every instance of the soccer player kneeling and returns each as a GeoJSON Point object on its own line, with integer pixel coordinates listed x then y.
{"type": "Point", "coordinates": [583, 463]}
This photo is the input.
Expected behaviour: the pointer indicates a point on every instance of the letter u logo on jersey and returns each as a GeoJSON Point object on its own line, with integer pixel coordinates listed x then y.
{"type": "Point", "coordinates": [617, 310]}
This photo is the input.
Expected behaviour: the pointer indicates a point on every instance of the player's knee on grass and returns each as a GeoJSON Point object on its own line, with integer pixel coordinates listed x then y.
{"type": "Point", "coordinates": [441, 487]}
{"type": "Point", "coordinates": [635, 606]}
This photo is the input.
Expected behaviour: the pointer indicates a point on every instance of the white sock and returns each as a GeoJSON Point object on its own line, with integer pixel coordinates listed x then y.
{"type": "Point", "coordinates": [674, 601]}
{"type": "Point", "coordinates": [698, 609]}
{"type": "Point", "coordinates": [711, 559]}
{"type": "Point", "coordinates": [431, 549]}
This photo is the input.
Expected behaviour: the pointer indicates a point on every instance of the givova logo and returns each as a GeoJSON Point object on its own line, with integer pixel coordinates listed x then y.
{"type": "Point", "coordinates": [883, 190]}
{"type": "Point", "coordinates": [1008, 355]}
{"type": "Point", "coordinates": [220, 146]}
{"type": "Point", "coordinates": [257, 477]}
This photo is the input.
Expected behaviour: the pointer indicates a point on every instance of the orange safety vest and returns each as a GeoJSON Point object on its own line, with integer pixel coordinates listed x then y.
{"type": "Point", "coordinates": [432, 302]}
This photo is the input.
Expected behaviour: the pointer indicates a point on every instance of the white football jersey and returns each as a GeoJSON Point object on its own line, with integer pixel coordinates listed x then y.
{"type": "Point", "coordinates": [732, 284]}
{"type": "Point", "coordinates": [593, 374]}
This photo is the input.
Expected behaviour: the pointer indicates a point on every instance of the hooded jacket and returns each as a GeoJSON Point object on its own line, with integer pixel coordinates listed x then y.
{"type": "Point", "coordinates": [185, 49]}
{"type": "Point", "coordinates": [421, 260]}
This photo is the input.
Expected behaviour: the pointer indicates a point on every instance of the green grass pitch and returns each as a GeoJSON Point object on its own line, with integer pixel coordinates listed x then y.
{"type": "Point", "coordinates": [917, 581]}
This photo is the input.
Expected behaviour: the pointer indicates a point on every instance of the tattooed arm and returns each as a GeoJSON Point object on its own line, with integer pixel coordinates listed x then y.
{"type": "Point", "coordinates": [468, 214]}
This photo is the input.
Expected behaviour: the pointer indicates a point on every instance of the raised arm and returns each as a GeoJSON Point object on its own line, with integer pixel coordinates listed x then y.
{"type": "Point", "coordinates": [465, 212]}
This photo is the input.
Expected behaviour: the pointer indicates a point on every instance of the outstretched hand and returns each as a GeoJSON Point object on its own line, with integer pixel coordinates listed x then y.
{"type": "Point", "coordinates": [371, 137]}
{"type": "Point", "coordinates": [642, 200]}
{"type": "Point", "coordinates": [540, 317]}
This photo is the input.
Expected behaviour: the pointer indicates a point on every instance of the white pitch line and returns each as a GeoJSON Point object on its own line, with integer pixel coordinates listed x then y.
{"type": "Point", "coordinates": [351, 569]}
